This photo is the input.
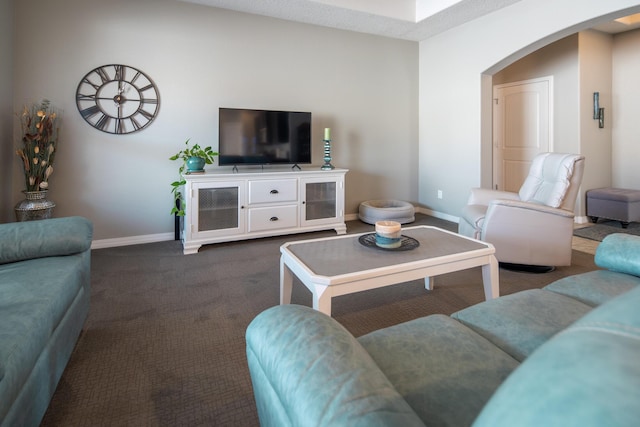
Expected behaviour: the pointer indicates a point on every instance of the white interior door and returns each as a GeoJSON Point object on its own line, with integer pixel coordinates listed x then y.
{"type": "Point", "coordinates": [522, 128]}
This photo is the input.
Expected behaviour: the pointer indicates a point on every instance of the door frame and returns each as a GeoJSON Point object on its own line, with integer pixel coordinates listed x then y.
{"type": "Point", "coordinates": [495, 164]}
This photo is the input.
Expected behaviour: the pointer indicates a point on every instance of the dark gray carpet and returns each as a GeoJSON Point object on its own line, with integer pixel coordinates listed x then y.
{"type": "Point", "coordinates": [603, 228]}
{"type": "Point", "coordinates": [164, 341]}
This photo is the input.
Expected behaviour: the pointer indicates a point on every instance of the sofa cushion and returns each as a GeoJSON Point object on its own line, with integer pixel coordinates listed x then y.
{"type": "Point", "coordinates": [35, 296]}
{"type": "Point", "coordinates": [519, 323]}
{"type": "Point", "coordinates": [444, 370]}
{"type": "Point", "coordinates": [587, 375]}
{"type": "Point", "coordinates": [595, 287]}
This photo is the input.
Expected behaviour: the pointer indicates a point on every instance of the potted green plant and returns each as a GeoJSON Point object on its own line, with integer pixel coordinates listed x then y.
{"type": "Point", "coordinates": [193, 159]}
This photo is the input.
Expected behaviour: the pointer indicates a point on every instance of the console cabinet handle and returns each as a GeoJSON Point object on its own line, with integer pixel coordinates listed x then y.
{"type": "Point", "coordinates": [273, 218]}
{"type": "Point", "coordinates": [274, 191]}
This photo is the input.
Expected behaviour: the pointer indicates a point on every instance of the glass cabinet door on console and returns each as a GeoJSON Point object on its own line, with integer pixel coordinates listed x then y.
{"type": "Point", "coordinates": [218, 209]}
{"type": "Point", "coordinates": [322, 200]}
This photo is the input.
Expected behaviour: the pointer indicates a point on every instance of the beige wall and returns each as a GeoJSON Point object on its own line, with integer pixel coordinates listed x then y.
{"type": "Point", "coordinates": [6, 109]}
{"type": "Point", "coordinates": [559, 60]}
{"type": "Point", "coordinates": [580, 65]}
{"type": "Point", "coordinates": [624, 115]}
{"type": "Point", "coordinates": [364, 87]}
{"type": "Point", "coordinates": [408, 119]}
{"type": "Point", "coordinates": [455, 87]}
{"type": "Point", "coordinates": [595, 51]}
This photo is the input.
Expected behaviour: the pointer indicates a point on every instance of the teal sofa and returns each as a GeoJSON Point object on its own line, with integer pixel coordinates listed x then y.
{"type": "Point", "coordinates": [564, 355]}
{"type": "Point", "coordinates": [44, 301]}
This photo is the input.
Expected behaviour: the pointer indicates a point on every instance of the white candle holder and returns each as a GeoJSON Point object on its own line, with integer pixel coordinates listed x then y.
{"type": "Point", "coordinates": [327, 156]}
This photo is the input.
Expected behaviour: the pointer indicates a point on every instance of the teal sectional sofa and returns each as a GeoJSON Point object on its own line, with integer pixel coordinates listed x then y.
{"type": "Point", "coordinates": [44, 301]}
{"type": "Point", "coordinates": [564, 355]}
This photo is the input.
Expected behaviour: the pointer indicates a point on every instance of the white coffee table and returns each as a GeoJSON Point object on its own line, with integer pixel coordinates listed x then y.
{"type": "Point", "coordinates": [341, 265]}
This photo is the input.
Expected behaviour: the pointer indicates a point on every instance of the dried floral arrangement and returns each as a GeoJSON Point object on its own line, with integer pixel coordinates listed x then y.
{"type": "Point", "coordinates": [40, 126]}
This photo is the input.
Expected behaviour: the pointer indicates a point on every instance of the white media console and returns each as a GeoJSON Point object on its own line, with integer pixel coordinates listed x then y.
{"type": "Point", "coordinates": [225, 206]}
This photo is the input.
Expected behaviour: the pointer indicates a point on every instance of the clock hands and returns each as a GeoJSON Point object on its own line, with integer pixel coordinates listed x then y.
{"type": "Point", "coordinates": [116, 99]}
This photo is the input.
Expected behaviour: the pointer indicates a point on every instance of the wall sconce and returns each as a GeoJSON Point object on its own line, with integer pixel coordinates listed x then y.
{"type": "Point", "coordinates": [598, 113]}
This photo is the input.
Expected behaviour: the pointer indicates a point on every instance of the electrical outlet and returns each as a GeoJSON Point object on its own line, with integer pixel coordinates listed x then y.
{"type": "Point", "coordinates": [439, 194]}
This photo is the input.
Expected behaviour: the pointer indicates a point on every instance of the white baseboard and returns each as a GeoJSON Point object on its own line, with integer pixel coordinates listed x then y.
{"type": "Point", "coordinates": [438, 215]}
{"type": "Point", "coordinates": [163, 237]}
{"type": "Point", "coordinates": [435, 214]}
{"type": "Point", "coordinates": [580, 219]}
{"type": "Point", "coordinates": [133, 240]}
{"type": "Point", "coordinates": [351, 217]}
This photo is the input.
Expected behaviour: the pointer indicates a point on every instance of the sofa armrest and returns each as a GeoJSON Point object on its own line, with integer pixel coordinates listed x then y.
{"type": "Point", "coordinates": [308, 370]}
{"type": "Point", "coordinates": [21, 241]}
{"type": "Point", "coordinates": [483, 196]}
{"type": "Point", "coordinates": [619, 252]}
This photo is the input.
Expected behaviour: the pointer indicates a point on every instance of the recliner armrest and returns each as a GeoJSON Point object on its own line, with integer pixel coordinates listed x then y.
{"type": "Point", "coordinates": [321, 377]}
{"type": "Point", "coordinates": [483, 196]}
{"type": "Point", "coordinates": [528, 233]}
{"type": "Point", "coordinates": [530, 206]}
{"type": "Point", "coordinates": [21, 241]}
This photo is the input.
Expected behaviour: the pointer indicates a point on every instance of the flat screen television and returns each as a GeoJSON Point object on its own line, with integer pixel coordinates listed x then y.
{"type": "Point", "coordinates": [261, 137]}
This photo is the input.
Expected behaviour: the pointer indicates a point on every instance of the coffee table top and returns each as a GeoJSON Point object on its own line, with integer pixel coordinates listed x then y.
{"type": "Point", "coordinates": [338, 255]}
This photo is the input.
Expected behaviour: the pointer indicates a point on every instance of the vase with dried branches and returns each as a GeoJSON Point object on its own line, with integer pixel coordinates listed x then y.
{"type": "Point", "coordinates": [38, 147]}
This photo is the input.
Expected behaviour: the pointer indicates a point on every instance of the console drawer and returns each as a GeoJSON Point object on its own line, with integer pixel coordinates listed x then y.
{"type": "Point", "coordinates": [273, 191]}
{"type": "Point", "coordinates": [271, 218]}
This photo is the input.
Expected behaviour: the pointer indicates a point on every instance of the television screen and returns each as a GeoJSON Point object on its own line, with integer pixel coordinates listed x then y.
{"type": "Point", "coordinates": [261, 137]}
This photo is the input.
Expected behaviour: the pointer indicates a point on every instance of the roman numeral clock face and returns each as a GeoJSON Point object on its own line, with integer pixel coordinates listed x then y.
{"type": "Point", "coordinates": [117, 99]}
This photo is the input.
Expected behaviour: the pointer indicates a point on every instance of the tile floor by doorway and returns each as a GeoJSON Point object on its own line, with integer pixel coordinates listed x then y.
{"type": "Point", "coordinates": [584, 245]}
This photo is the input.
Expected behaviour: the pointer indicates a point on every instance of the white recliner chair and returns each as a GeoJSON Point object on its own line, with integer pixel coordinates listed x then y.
{"type": "Point", "coordinates": [533, 227]}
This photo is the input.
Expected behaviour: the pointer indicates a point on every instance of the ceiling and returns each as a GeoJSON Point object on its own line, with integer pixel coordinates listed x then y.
{"type": "Point", "coordinates": [403, 19]}
{"type": "Point", "coordinates": [620, 25]}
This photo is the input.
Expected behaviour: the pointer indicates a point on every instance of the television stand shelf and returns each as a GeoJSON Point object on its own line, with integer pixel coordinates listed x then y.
{"type": "Point", "coordinates": [223, 206]}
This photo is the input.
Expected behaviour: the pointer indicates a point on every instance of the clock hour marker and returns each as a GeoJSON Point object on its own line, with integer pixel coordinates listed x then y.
{"type": "Point", "coordinates": [119, 72]}
{"type": "Point", "coordinates": [145, 114]}
{"type": "Point", "coordinates": [83, 97]}
{"type": "Point", "coordinates": [103, 122]}
{"type": "Point", "coordinates": [102, 73]}
{"type": "Point", "coordinates": [133, 80]}
{"type": "Point", "coordinates": [90, 112]}
{"type": "Point", "coordinates": [135, 123]}
{"type": "Point", "coordinates": [120, 126]}
{"type": "Point", "coordinates": [147, 87]}
{"type": "Point", "coordinates": [89, 82]}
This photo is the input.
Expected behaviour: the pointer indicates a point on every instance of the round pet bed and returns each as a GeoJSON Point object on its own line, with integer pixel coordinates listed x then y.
{"type": "Point", "coordinates": [386, 210]}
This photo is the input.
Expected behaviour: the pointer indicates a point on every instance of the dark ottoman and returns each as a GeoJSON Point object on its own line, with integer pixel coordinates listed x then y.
{"type": "Point", "coordinates": [619, 204]}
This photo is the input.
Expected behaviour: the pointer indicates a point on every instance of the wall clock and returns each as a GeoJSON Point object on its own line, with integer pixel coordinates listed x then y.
{"type": "Point", "coordinates": [117, 99]}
